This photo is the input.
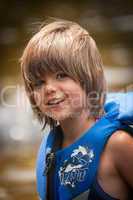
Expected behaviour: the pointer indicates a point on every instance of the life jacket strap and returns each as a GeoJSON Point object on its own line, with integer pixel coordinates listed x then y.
{"type": "Point", "coordinates": [50, 164]}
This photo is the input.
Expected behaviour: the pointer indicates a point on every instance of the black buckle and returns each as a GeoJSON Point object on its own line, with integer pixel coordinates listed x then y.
{"type": "Point", "coordinates": [50, 158]}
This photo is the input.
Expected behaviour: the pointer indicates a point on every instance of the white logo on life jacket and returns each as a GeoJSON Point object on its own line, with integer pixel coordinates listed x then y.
{"type": "Point", "coordinates": [74, 169]}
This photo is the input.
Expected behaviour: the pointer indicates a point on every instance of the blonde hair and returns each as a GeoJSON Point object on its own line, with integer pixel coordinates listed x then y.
{"type": "Point", "coordinates": [66, 46]}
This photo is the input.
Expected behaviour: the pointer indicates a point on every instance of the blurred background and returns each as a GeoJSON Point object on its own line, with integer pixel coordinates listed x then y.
{"type": "Point", "coordinates": [111, 25]}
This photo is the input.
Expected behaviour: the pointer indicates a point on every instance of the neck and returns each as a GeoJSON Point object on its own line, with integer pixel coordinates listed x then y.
{"type": "Point", "coordinates": [73, 128]}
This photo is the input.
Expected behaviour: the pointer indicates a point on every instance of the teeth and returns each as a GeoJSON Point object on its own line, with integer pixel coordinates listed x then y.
{"type": "Point", "coordinates": [59, 97]}
{"type": "Point", "coordinates": [56, 101]}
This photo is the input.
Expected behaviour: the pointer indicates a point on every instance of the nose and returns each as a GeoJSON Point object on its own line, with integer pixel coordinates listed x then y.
{"type": "Point", "coordinates": [50, 87]}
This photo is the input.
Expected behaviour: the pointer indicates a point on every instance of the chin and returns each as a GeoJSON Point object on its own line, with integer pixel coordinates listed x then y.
{"type": "Point", "coordinates": [63, 116]}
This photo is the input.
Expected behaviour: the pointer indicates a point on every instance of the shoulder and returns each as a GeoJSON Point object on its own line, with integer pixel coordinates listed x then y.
{"type": "Point", "coordinates": [120, 145]}
{"type": "Point", "coordinates": [120, 140]}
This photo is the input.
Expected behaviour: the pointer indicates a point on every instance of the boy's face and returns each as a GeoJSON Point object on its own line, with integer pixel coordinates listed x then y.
{"type": "Point", "coordinates": [59, 97]}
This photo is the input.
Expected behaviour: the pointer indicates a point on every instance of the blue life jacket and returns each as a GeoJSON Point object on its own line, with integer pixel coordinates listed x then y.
{"type": "Point", "coordinates": [77, 164]}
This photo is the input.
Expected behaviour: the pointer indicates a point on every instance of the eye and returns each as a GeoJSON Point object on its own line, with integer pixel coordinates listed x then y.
{"type": "Point", "coordinates": [39, 83]}
{"type": "Point", "coordinates": [61, 75]}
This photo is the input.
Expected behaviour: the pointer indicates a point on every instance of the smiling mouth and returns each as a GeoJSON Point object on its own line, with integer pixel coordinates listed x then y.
{"type": "Point", "coordinates": [55, 102]}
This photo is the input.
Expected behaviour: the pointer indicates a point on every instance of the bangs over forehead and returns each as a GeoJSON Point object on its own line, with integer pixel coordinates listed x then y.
{"type": "Point", "coordinates": [51, 51]}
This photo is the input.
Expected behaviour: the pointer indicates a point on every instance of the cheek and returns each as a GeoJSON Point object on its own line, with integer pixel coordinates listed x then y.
{"type": "Point", "coordinates": [78, 99]}
{"type": "Point", "coordinates": [38, 98]}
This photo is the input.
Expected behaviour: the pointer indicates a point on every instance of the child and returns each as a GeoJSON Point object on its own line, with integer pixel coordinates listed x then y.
{"type": "Point", "coordinates": [88, 152]}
